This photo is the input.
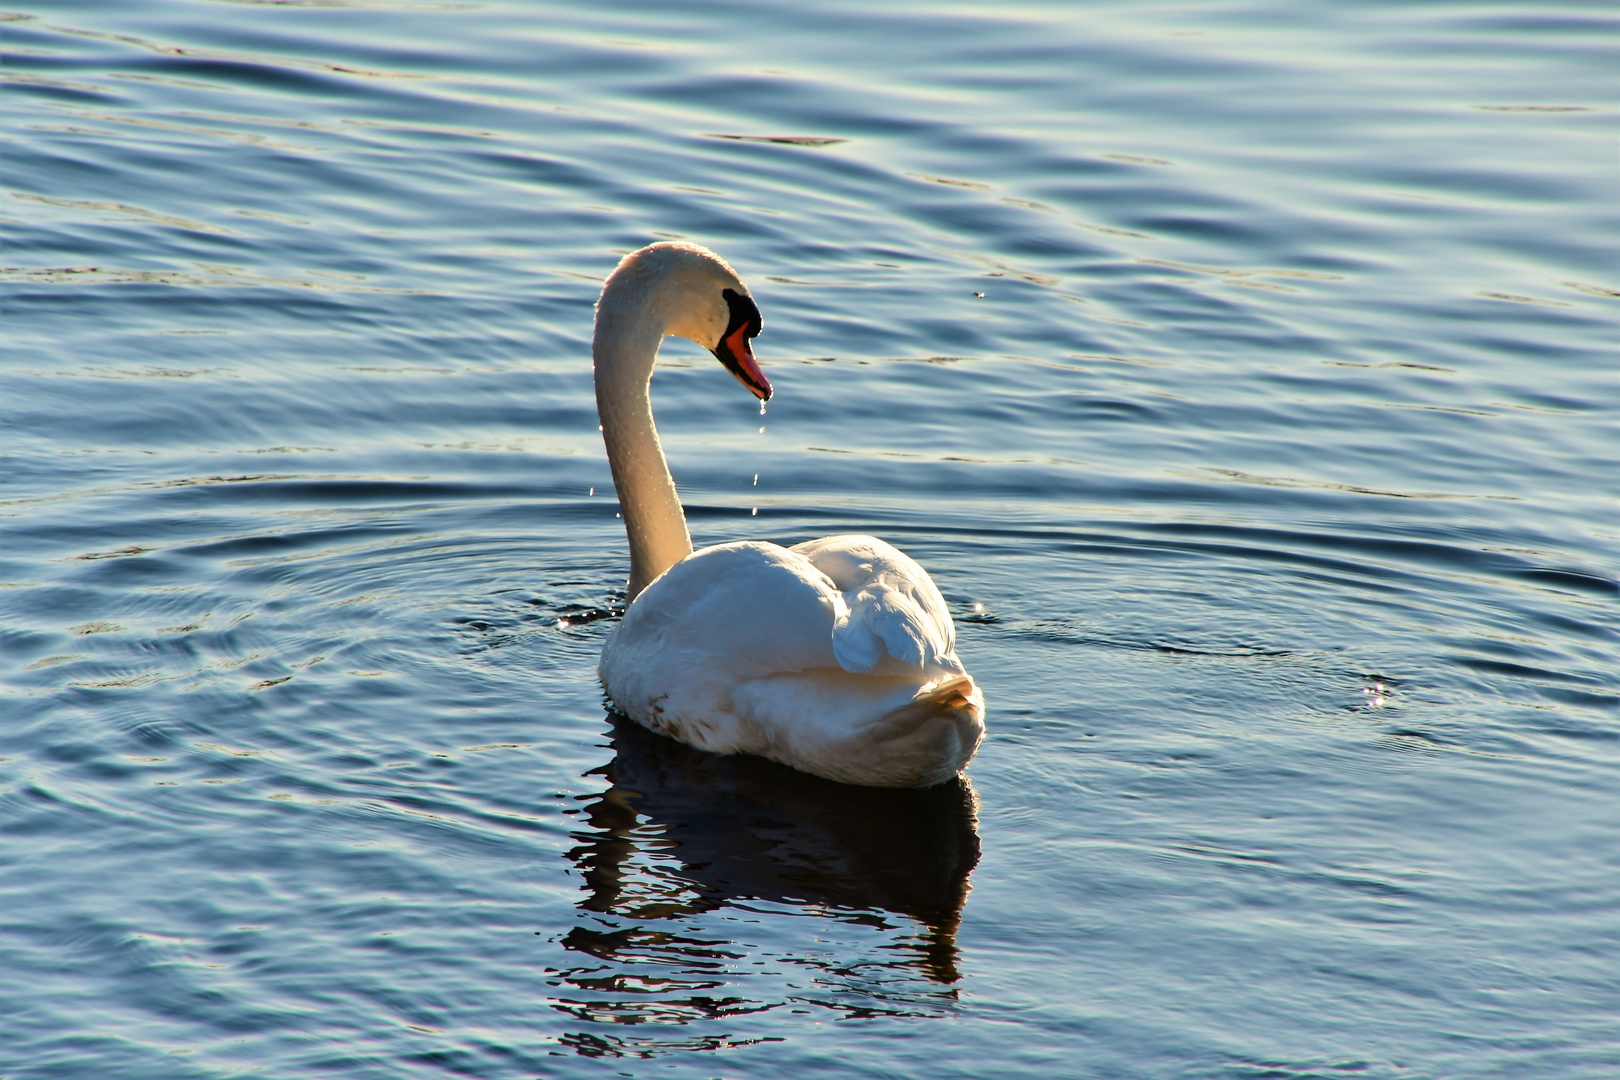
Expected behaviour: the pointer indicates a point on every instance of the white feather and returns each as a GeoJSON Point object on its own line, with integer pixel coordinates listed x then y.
{"type": "Point", "coordinates": [835, 656]}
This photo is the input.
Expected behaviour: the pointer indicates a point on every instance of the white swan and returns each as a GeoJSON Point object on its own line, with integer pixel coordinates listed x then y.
{"type": "Point", "coordinates": [836, 656]}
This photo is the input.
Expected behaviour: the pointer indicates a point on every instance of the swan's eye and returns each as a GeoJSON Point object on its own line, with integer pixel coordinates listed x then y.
{"type": "Point", "coordinates": [743, 313]}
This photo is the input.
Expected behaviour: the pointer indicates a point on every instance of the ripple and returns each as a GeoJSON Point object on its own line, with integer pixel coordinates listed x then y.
{"type": "Point", "coordinates": [1284, 562]}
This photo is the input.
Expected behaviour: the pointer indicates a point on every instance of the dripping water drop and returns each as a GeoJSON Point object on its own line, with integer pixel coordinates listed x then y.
{"type": "Point", "coordinates": [593, 491]}
{"type": "Point", "coordinates": [762, 430]}
{"type": "Point", "coordinates": [754, 512]}
{"type": "Point", "coordinates": [756, 479]}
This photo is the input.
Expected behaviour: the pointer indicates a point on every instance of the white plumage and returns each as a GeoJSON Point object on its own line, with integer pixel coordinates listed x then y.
{"type": "Point", "coordinates": [835, 656]}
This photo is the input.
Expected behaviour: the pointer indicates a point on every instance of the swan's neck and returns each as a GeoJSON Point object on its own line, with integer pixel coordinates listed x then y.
{"type": "Point", "coordinates": [623, 356]}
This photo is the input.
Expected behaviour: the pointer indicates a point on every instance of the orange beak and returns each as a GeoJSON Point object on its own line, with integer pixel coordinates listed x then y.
{"type": "Point", "coordinates": [735, 352]}
{"type": "Point", "coordinates": [738, 357]}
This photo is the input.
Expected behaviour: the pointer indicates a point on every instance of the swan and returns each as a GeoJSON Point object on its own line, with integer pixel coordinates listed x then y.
{"type": "Point", "coordinates": [835, 656]}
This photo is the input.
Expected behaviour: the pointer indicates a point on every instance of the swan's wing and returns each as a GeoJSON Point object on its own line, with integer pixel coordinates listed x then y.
{"type": "Point", "coordinates": [717, 618]}
{"type": "Point", "coordinates": [748, 647]}
{"type": "Point", "coordinates": [897, 622]}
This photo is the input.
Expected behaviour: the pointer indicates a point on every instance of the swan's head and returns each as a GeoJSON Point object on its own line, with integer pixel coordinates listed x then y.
{"type": "Point", "coordinates": [689, 291]}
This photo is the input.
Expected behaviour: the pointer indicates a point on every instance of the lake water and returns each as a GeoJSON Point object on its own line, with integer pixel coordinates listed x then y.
{"type": "Point", "coordinates": [1246, 374]}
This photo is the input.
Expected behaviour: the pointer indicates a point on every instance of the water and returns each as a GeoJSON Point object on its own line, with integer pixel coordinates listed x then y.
{"type": "Point", "coordinates": [1244, 374]}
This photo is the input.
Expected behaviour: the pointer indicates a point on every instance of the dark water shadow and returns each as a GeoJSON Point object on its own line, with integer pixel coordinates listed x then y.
{"type": "Point", "coordinates": [730, 830]}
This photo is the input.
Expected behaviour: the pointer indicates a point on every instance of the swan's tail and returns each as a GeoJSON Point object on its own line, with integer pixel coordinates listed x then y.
{"type": "Point", "coordinates": [954, 692]}
{"type": "Point", "coordinates": [880, 731]}
{"type": "Point", "coordinates": [933, 736]}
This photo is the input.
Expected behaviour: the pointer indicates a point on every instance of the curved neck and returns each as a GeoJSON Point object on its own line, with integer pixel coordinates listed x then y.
{"type": "Point", "coordinates": [623, 356]}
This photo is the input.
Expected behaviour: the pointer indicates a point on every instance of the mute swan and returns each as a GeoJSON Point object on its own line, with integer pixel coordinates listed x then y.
{"type": "Point", "coordinates": [835, 656]}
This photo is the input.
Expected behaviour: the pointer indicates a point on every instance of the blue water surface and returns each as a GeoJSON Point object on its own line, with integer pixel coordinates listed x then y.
{"type": "Point", "coordinates": [1244, 372]}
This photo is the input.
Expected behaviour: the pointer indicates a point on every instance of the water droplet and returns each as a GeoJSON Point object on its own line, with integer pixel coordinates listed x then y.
{"type": "Point", "coordinates": [618, 515]}
{"type": "Point", "coordinates": [756, 479]}
{"type": "Point", "coordinates": [755, 512]}
{"type": "Point", "coordinates": [762, 408]}
{"type": "Point", "coordinates": [980, 295]}
{"type": "Point", "coordinates": [762, 431]}
{"type": "Point", "coordinates": [593, 491]}
{"type": "Point", "coordinates": [598, 427]}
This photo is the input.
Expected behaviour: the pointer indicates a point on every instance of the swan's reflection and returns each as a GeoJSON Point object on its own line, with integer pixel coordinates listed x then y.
{"type": "Point", "coordinates": [681, 833]}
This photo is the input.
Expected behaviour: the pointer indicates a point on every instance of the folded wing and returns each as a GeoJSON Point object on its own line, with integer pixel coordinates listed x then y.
{"type": "Point", "coordinates": [896, 621]}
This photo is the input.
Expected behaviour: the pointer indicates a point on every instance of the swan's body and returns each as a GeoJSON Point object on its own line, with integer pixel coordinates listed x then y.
{"type": "Point", "coordinates": [835, 656]}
